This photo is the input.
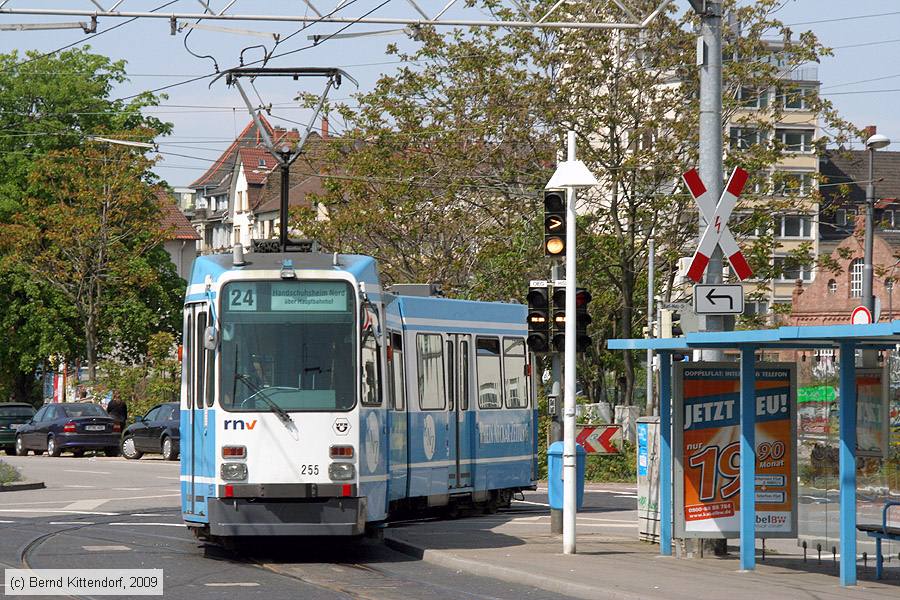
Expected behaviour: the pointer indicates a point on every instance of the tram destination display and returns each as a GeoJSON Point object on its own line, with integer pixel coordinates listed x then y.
{"type": "Point", "coordinates": [707, 450]}
{"type": "Point", "coordinates": [291, 296]}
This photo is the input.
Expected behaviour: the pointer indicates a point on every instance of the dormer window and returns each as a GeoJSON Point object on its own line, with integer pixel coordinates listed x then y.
{"type": "Point", "coordinates": [262, 162]}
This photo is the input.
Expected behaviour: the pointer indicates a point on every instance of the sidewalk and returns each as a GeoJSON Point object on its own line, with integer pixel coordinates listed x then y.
{"type": "Point", "coordinates": [609, 565]}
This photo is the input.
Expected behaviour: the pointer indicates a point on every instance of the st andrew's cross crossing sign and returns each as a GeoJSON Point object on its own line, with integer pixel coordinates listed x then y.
{"type": "Point", "coordinates": [717, 232]}
{"type": "Point", "coordinates": [600, 439]}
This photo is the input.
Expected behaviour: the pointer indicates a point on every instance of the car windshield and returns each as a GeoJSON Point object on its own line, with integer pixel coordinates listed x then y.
{"type": "Point", "coordinates": [16, 411]}
{"type": "Point", "coordinates": [84, 410]}
{"type": "Point", "coordinates": [287, 346]}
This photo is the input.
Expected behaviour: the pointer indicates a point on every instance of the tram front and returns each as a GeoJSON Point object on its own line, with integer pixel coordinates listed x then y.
{"type": "Point", "coordinates": [283, 423]}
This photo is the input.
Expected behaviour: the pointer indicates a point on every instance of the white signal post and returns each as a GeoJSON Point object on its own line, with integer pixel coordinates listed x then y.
{"type": "Point", "coordinates": [571, 175]}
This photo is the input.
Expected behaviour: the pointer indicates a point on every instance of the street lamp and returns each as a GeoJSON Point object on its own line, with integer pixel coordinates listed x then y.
{"type": "Point", "coordinates": [572, 175]}
{"type": "Point", "coordinates": [874, 143]}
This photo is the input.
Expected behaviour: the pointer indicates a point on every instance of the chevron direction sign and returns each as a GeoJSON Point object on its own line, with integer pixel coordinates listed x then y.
{"type": "Point", "coordinates": [600, 439]}
{"type": "Point", "coordinates": [717, 215]}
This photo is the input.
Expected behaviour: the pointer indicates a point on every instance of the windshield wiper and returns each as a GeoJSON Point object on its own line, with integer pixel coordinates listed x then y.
{"type": "Point", "coordinates": [258, 391]}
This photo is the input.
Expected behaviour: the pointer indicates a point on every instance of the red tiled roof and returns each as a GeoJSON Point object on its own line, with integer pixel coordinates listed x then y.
{"type": "Point", "coordinates": [172, 221]}
{"type": "Point", "coordinates": [257, 163]}
{"type": "Point", "coordinates": [247, 138]}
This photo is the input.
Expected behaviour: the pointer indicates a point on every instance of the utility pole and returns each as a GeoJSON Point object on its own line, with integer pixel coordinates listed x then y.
{"type": "Point", "coordinates": [709, 59]}
{"type": "Point", "coordinates": [651, 250]}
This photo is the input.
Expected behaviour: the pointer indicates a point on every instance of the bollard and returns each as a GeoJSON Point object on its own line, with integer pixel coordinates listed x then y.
{"type": "Point", "coordinates": [764, 550]}
{"type": "Point", "coordinates": [865, 561]}
{"type": "Point", "coordinates": [804, 550]}
{"type": "Point", "coordinates": [834, 556]}
{"type": "Point", "coordinates": [819, 549]}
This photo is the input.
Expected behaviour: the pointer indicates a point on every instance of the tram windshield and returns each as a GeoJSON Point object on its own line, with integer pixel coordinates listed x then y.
{"type": "Point", "coordinates": [287, 346]}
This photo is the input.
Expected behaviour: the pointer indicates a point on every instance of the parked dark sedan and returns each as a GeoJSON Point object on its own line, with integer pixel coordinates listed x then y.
{"type": "Point", "coordinates": [75, 426]}
{"type": "Point", "coordinates": [156, 432]}
{"type": "Point", "coordinates": [12, 416]}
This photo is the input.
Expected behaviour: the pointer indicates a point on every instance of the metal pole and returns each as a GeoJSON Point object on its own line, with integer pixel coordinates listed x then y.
{"type": "Point", "coordinates": [868, 297]}
{"type": "Point", "coordinates": [650, 276]}
{"type": "Point", "coordinates": [569, 458]}
{"type": "Point", "coordinates": [665, 453]}
{"type": "Point", "coordinates": [285, 192]}
{"type": "Point", "coordinates": [711, 137]}
{"type": "Point", "coordinates": [748, 458]}
{"type": "Point", "coordinates": [556, 432]}
{"type": "Point", "coordinates": [847, 463]}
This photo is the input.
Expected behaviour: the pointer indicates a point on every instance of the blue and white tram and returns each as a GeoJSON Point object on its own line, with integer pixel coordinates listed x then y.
{"type": "Point", "coordinates": [314, 403]}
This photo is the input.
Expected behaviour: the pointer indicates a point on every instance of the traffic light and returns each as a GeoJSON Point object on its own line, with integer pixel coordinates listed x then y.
{"type": "Point", "coordinates": [670, 323]}
{"type": "Point", "coordinates": [538, 319]}
{"type": "Point", "coordinates": [582, 319]}
{"type": "Point", "coordinates": [559, 319]}
{"type": "Point", "coordinates": [554, 223]}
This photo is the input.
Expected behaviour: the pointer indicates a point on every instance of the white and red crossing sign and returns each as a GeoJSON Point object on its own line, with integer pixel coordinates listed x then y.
{"type": "Point", "coordinates": [717, 215]}
{"type": "Point", "coordinates": [600, 439]}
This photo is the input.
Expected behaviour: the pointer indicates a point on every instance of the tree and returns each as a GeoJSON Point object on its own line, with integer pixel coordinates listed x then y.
{"type": "Point", "coordinates": [49, 103]}
{"type": "Point", "coordinates": [441, 165]}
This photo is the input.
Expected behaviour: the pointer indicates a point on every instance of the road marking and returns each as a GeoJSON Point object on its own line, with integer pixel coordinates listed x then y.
{"type": "Point", "coordinates": [90, 487]}
{"type": "Point", "coordinates": [237, 584]}
{"type": "Point", "coordinates": [149, 515]}
{"type": "Point", "coordinates": [141, 489]}
{"type": "Point", "coordinates": [530, 502]}
{"type": "Point", "coordinates": [163, 477]}
{"type": "Point", "coordinates": [8, 521]}
{"type": "Point", "coordinates": [92, 472]}
{"type": "Point", "coordinates": [86, 504]}
{"type": "Point", "coordinates": [159, 524]}
{"type": "Point", "coordinates": [70, 523]}
{"type": "Point", "coordinates": [58, 510]}
{"type": "Point", "coordinates": [106, 548]}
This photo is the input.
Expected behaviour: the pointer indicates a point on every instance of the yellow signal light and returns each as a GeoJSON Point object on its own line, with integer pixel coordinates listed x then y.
{"type": "Point", "coordinates": [555, 245]}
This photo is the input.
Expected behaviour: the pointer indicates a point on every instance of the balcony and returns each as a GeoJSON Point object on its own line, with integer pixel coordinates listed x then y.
{"type": "Point", "coordinates": [803, 73]}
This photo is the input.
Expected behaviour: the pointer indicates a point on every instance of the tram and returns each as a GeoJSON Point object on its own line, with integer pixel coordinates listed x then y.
{"type": "Point", "coordinates": [315, 402]}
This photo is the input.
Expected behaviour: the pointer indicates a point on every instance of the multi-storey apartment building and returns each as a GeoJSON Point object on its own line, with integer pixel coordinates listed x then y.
{"type": "Point", "coordinates": [791, 183]}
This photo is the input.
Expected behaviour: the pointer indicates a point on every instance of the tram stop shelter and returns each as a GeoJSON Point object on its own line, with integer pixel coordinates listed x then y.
{"type": "Point", "coordinates": [847, 339]}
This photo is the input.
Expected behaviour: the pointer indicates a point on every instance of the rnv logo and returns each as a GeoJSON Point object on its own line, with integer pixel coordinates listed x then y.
{"type": "Point", "coordinates": [240, 424]}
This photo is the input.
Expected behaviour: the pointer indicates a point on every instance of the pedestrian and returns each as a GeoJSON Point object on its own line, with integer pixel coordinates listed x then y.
{"type": "Point", "coordinates": [117, 409]}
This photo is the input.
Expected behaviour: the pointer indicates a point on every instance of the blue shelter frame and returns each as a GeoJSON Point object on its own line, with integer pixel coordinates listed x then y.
{"type": "Point", "coordinates": [846, 338]}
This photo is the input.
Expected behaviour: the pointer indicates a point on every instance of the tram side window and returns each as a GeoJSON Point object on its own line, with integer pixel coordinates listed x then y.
{"type": "Point", "coordinates": [200, 353]}
{"type": "Point", "coordinates": [487, 365]}
{"type": "Point", "coordinates": [371, 372]}
{"type": "Point", "coordinates": [398, 375]}
{"type": "Point", "coordinates": [430, 361]}
{"type": "Point", "coordinates": [464, 376]}
{"type": "Point", "coordinates": [187, 357]}
{"type": "Point", "coordinates": [210, 375]}
{"type": "Point", "coordinates": [514, 373]}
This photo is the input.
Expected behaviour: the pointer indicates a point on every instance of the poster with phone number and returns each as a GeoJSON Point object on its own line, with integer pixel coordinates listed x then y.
{"type": "Point", "coordinates": [707, 448]}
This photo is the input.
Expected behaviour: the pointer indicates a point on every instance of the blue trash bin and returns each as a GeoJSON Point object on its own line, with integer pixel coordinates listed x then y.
{"type": "Point", "coordinates": [555, 475]}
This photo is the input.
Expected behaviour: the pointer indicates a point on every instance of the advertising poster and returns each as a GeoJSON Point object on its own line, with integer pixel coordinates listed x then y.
{"type": "Point", "coordinates": [872, 427]}
{"type": "Point", "coordinates": [707, 450]}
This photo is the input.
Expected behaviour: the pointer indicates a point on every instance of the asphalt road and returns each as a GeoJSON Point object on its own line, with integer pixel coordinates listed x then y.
{"type": "Point", "coordinates": [100, 512]}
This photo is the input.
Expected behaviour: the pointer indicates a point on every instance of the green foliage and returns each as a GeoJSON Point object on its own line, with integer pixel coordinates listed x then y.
{"type": "Point", "coordinates": [8, 473]}
{"type": "Point", "coordinates": [143, 385]}
{"type": "Point", "coordinates": [53, 187]}
{"type": "Point", "coordinates": [615, 468]}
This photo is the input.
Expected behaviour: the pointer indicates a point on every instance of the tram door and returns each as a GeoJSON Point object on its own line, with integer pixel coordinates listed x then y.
{"type": "Point", "coordinates": [458, 350]}
{"type": "Point", "coordinates": [194, 374]}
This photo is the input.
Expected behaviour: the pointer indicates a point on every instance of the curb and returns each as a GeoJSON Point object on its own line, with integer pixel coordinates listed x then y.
{"type": "Point", "coordinates": [18, 486]}
{"type": "Point", "coordinates": [480, 569]}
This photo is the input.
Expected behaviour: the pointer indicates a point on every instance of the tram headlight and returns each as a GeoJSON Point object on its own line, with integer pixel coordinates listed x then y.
{"type": "Point", "coordinates": [234, 471]}
{"type": "Point", "coordinates": [341, 471]}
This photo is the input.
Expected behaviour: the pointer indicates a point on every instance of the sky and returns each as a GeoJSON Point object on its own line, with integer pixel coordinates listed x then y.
{"type": "Point", "coordinates": [862, 78]}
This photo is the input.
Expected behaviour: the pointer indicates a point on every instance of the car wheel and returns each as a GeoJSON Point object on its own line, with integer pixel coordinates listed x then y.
{"type": "Point", "coordinates": [168, 449]}
{"type": "Point", "coordinates": [53, 448]}
{"type": "Point", "coordinates": [112, 451]}
{"type": "Point", "coordinates": [128, 449]}
{"type": "Point", "coordinates": [20, 446]}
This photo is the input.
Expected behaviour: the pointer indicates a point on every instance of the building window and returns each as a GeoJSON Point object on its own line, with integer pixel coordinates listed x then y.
{"type": "Point", "coordinates": [794, 98]}
{"type": "Point", "coordinates": [742, 138]}
{"type": "Point", "coordinates": [887, 219]}
{"type": "Point", "coordinates": [795, 140]}
{"type": "Point", "coordinates": [793, 183]}
{"type": "Point", "coordinates": [785, 271]}
{"type": "Point", "coordinates": [756, 308]}
{"type": "Point", "coordinates": [856, 278]}
{"type": "Point", "coordinates": [832, 287]}
{"type": "Point", "coordinates": [753, 97]}
{"type": "Point", "coordinates": [795, 226]}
